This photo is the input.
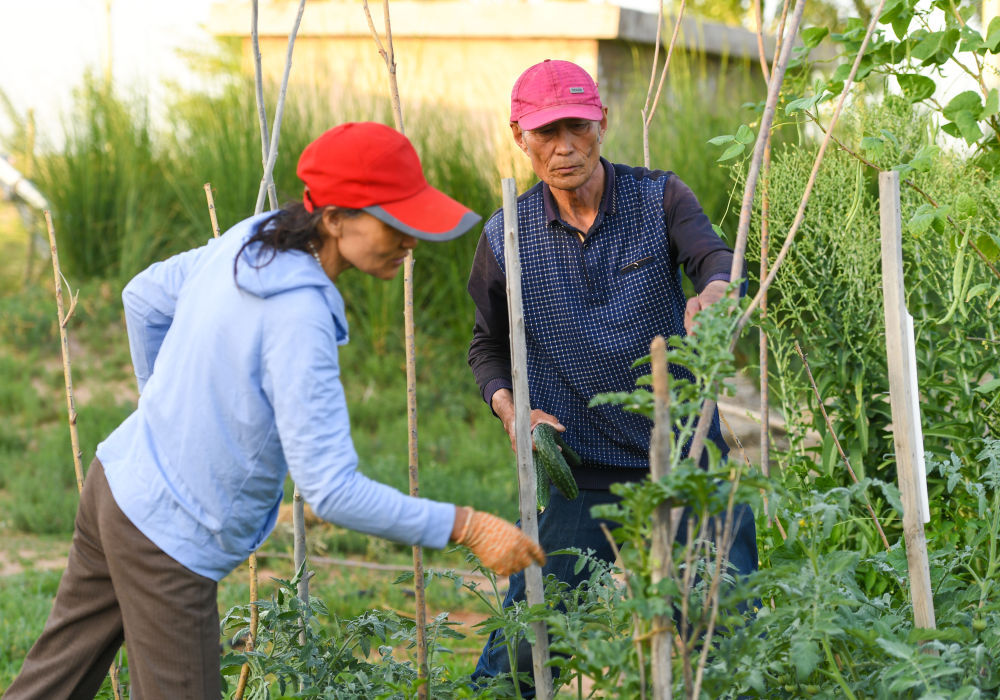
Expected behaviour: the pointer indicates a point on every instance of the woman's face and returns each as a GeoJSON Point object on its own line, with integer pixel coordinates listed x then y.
{"type": "Point", "coordinates": [365, 243]}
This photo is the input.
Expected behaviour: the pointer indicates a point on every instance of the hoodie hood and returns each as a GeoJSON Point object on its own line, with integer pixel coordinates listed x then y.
{"type": "Point", "coordinates": [264, 276]}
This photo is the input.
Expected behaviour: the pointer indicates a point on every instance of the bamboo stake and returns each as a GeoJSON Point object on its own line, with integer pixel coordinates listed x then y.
{"type": "Point", "coordinates": [265, 141]}
{"type": "Point", "coordinates": [254, 612]}
{"type": "Point", "coordinates": [299, 556]}
{"type": "Point", "coordinates": [662, 541]}
{"type": "Point", "coordinates": [534, 587]}
{"type": "Point", "coordinates": [64, 317]}
{"type": "Point", "coordinates": [388, 54]}
{"type": "Point", "coordinates": [898, 342]}
{"type": "Point", "coordinates": [252, 636]}
{"type": "Point", "coordinates": [699, 439]}
{"type": "Point", "coordinates": [272, 154]}
{"type": "Point", "coordinates": [108, 42]}
{"type": "Point", "coordinates": [647, 111]}
{"type": "Point", "coordinates": [211, 210]}
{"type": "Point", "coordinates": [74, 436]}
{"type": "Point", "coordinates": [833, 434]}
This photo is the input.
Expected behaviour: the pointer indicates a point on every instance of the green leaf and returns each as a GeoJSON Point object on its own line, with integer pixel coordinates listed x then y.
{"type": "Point", "coordinates": [719, 140]}
{"type": "Point", "coordinates": [925, 158]}
{"type": "Point", "coordinates": [872, 146]}
{"type": "Point", "coordinates": [921, 220]}
{"type": "Point", "coordinates": [805, 655]}
{"type": "Point", "coordinates": [897, 649]}
{"type": "Point", "coordinates": [992, 105]}
{"type": "Point", "coordinates": [731, 152]}
{"type": "Point", "coordinates": [916, 87]}
{"type": "Point", "coordinates": [936, 47]}
{"type": "Point", "coordinates": [811, 36]}
{"type": "Point", "coordinates": [993, 36]}
{"type": "Point", "coordinates": [966, 205]}
{"type": "Point", "coordinates": [841, 72]}
{"type": "Point", "coordinates": [745, 135]}
{"type": "Point", "coordinates": [967, 101]}
{"type": "Point", "coordinates": [968, 126]}
{"type": "Point", "coordinates": [989, 387]}
{"type": "Point", "coordinates": [972, 41]}
{"type": "Point", "coordinates": [802, 103]}
{"type": "Point", "coordinates": [901, 24]}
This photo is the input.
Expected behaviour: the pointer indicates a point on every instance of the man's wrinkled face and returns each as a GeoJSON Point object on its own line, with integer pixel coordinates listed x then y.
{"type": "Point", "coordinates": [565, 154]}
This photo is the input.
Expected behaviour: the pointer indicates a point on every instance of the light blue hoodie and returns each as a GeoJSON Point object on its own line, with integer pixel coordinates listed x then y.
{"type": "Point", "coordinates": [240, 385]}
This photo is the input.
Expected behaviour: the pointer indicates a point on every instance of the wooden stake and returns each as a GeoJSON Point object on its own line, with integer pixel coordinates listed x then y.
{"type": "Point", "coordinates": [388, 54]}
{"type": "Point", "coordinates": [898, 345]}
{"type": "Point", "coordinates": [74, 436]}
{"type": "Point", "coordinates": [211, 210]}
{"type": "Point", "coordinates": [64, 317]}
{"type": "Point", "coordinates": [756, 161]}
{"type": "Point", "coordinates": [267, 181]}
{"type": "Point", "coordinates": [252, 636]}
{"type": "Point", "coordinates": [662, 540]}
{"type": "Point", "coordinates": [265, 141]}
{"type": "Point", "coordinates": [647, 111]}
{"type": "Point", "coordinates": [534, 587]}
{"type": "Point", "coordinates": [299, 554]}
{"type": "Point", "coordinates": [254, 612]}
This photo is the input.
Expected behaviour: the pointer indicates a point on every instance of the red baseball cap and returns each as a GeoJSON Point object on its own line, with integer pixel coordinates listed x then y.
{"type": "Point", "coordinates": [553, 90]}
{"type": "Point", "coordinates": [372, 167]}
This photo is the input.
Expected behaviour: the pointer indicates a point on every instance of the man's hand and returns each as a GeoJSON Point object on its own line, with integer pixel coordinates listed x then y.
{"type": "Point", "coordinates": [500, 545]}
{"type": "Point", "coordinates": [502, 403]}
{"type": "Point", "coordinates": [709, 295]}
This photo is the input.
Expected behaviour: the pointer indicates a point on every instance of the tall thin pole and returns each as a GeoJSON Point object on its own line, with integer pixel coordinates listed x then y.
{"type": "Point", "coordinates": [534, 588]}
{"type": "Point", "coordinates": [662, 542]}
{"type": "Point", "coordinates": [388, 54]}
{"type": "Point", "coordinates": [902, 385]}
{"type": "Point", "coordinates": [64, 316]}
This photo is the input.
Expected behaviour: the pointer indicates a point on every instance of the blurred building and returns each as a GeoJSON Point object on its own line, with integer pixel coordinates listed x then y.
{"type": "Point", "coordinates": [465, 56]}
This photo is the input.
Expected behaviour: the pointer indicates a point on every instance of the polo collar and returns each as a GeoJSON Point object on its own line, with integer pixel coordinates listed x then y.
{"type": "Point", "coordinates": [607, 205]}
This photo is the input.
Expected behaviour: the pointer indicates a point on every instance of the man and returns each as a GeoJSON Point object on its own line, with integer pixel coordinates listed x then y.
{"type": "Point", "coordinates": [601, 247]}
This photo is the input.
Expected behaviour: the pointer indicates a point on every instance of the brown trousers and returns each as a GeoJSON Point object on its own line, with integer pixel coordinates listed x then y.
{"type": "Point", "coordinates": [120, 586]}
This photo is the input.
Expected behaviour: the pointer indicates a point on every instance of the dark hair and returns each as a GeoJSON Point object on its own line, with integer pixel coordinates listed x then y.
{"type": "Point", "coordinates": [291, 228]}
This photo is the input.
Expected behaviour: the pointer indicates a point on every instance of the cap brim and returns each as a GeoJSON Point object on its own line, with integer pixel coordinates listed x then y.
{"type": "Point", "coordinates": [430, 215]}
{"type": "Point", "coordinates": [551, 114]}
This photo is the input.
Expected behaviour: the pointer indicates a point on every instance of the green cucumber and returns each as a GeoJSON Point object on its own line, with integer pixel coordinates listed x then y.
{"type": "Point", "coordinates": [569, 454]}
{"type": "Point", "coordinates": [553, 462]}
{"type": "Point", "coordinates": [541, 484]}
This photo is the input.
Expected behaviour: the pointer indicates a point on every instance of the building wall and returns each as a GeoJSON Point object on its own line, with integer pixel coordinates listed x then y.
{"type": "Point", "coordinates": [473, 76]}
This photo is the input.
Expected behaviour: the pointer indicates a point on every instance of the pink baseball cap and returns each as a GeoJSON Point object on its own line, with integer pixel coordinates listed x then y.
{"type": "Point", "coordinates": [553, 90]}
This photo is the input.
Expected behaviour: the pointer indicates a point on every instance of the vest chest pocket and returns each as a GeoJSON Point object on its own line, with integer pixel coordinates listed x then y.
{"type": "Point", "coordinates": [641, 291]}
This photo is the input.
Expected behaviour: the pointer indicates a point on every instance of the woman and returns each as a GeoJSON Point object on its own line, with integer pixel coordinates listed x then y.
{"type": "Point", "coordinates": [235, 350]}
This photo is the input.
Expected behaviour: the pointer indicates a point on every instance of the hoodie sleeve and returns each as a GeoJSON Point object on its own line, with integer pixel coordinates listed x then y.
{"type": "Point", "coordinates": [149, 300]}
{"type": "Point", "coordinates": [300, 375]}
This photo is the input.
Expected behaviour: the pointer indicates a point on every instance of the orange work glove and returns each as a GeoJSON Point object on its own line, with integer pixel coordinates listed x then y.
{"type": "Point", "coordinates": [500, 545]}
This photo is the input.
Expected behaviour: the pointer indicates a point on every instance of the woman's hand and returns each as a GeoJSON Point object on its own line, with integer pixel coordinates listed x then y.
{"type": "Point", "coordinates": [500, 545]}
